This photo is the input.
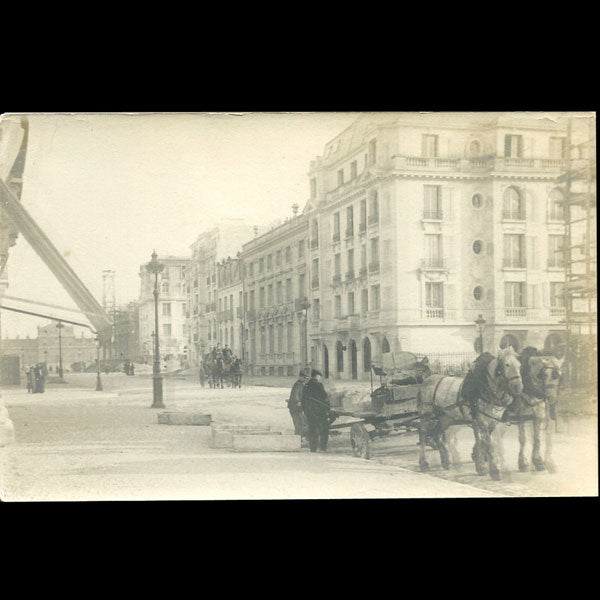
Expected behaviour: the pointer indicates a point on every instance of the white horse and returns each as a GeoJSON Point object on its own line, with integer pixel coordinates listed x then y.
{"type": "Point", "coordinates": [537, 403]}
{"type": "Point", "coordinates": [442, 402]}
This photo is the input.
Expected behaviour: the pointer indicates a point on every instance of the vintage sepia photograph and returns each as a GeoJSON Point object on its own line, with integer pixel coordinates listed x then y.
{"type": "Point", "coordinates": [298, 306]}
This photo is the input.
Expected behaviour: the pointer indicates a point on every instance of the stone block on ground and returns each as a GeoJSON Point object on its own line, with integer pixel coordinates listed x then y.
{"type": "Point", "coordinates": [184, 418]}
{"type": "Point", "coordinates": [266, 443]}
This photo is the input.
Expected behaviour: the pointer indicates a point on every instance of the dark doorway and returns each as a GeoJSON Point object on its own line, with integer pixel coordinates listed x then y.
{"type": "Point", "coordinates": [385, 346]}
{"type": "Point", "coordinates": [325, 362]}
{"type": "Point", "coordinates": [339, 351]}
{"type": "Point", "coordinates": [353, 359]}
{"type": "Point", "coordinates": [367, 355]}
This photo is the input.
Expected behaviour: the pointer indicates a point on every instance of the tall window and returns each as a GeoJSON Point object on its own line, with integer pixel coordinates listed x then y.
{"type": "Point", "coordinates": [316, 309]}
{"type": "Point", "coordinates": [252, 307]}
{"type": "Point", "coordinates": [340, 176]}
{"type": "Point", "coordinates": [261, 265]}
{"type": "Point", "coordinates": [225, 303]}
{"type": "Point", "coordinates": [372, 152]}
{"type": "Point", "coordinates": [349, 221]}
{"type": "Point", "coordinates": [167, 329]}
{"type": "Point", "coordinates": [514, 250]}
{"type": "Point", "coordinates": [363, 215]}
{"type": "Point", "coordinates": [514, 294]}
{"type": "Point", "coordinates": [432, 202]}
{"type": "Point", "coordinates": [279, 292]}
{"type": "Point", "coordinates": [374, 251]}
{"type": "Point", "coordinates": [364, 300]}
{"type": "Point", "coordinates": [513, 146]}
{"type": "Point", "coordinates": [280, 347]}
{"type": "Point", "coordinates": [374, 208]}
{"type": "Point", "coordinates": [434, 300]}
{"type": "Point", "coordinates": [288, 290]}
{"type": "Point", "coordinates": [337, 265]}
{"type": "Point", "coordinates": [278, 258]}
{"type": "Point", "coordinates": [288, 254]}
{"type": "Point", "coordinates": [300, 249]}
{"type": "Point", "coordinates": [336, 227]}
{"type": "Point", "coordinates": [350, 263]}
{"type": "Point", "coordinates": [429, 146]}
{"type": "Point", "coordinates": [350, 303]}
{"type": "Point", "coordinates": [261, 297]}
{"type": "Point", "coordinates": [513, 206]}
{"type": "Point", "coordinates": [313, 187]}
{"type": "Point", "coordinates": [353, 170]}
{"type": "Point", "coordinates": [269, 262]}
{"type": "Point", "coordinates": [363, 257]}
{"type": "Point", "coordinates": [557, 147]}
{"type": "Point", "coordinates": [263, 340]}
{"type": "Point", "coordinates": [557, 294]}
{"type": "Point", "coordinates": [338, 306]}
{"type": "Point", "coordinates": [315, 232]}
{"type": "Point", "coordinates": [301, 285]}
{"type": "Point", "coordinates": [556, 252]}
{"type": "Point", "coordinates": [270, 295]}
{"type": "Point", "coordinates": [164, 287]}
{"type": "Point", "coordinates": [166, 309]}
{"type": "Point", "coordinates": [315, 272]}
{"type": "Point", "coordinates": [251, 269]}
{"type": "Point", "coordinates": [375, 297]}
{"type": "Point", "coordinates": [271, 339]}
{"type": "Point", "coordinates": [339, 356]}
{"type": "Point", "coordinates": [433, 250]}
{"type": "Point", "coordinates": [290, 337]}
{"type": "Point", "coordinates": [556, 210]}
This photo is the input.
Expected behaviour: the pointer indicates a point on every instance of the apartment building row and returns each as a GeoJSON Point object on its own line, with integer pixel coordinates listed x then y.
{"type": "Point", "coordinates": [415, 225]}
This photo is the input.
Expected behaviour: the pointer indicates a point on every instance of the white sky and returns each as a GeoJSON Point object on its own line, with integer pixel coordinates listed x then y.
{"type": "Point", "coordinates": [108, 189]}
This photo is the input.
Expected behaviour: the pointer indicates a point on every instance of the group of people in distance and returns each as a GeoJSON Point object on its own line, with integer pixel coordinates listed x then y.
{"type": "Point", "coordinates": [310, 409]}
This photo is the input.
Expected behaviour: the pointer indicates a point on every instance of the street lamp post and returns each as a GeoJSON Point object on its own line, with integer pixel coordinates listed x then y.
{"type": "Point", "coordinates": [480, 322]}
{"type": "Point", "coordinates": [98, 380]}
{"type": "Point", "coordinates": [59, 326]}
{"type": "Point", "coordinates": [157, 392]}
{"type": "Point", "coordinates": [305, 306]}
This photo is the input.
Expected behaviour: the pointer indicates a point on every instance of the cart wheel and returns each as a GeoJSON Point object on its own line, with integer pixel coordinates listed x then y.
{"type": "Point", "coordinates": [360, 440]}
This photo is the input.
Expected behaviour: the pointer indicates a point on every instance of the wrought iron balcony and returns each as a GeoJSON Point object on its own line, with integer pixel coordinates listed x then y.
{"type": "Point", "coordinates": [513, 215]}
{"type": "Point", "coordinates": [433, 215]}
{"type": "Point", "coordinates": [515, 263]}
{"type": "Point", "coordinates": [557, 311]}
{"type": "Point", "coordinates": [434, 263]}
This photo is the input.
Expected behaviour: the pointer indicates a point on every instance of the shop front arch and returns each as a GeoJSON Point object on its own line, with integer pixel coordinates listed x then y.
{"type": "Point", "coordinates": [325, 361]}
{"type": "Point", "coordinates": [555, 344]}
{"type": "Point", "coordinates": [353, 360]}
{"type": "Point", "coordinates": [339, 357]}
{"type": "Point", "coordinates": [385, 346]}
{"type": "Point", "coordinates": [510, 340]}
{"type": "Point", "coordinates": [367, 355]}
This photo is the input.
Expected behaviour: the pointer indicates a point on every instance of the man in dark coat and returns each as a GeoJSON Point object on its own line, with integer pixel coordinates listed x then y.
{"type": "Point", "coordinates": [295, 404]}
{"type": "Point", "coordinates": [316, 406]}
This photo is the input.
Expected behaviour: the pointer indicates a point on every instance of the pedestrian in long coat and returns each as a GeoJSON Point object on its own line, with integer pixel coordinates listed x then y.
{"type": "Point", "coordinates": [316, 406]}
{"type": "Point", "coordinates": [295, 404]}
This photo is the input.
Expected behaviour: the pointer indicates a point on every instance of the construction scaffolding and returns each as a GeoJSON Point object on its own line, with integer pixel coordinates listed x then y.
{"type": "Point", "coordinates": [578, 185]}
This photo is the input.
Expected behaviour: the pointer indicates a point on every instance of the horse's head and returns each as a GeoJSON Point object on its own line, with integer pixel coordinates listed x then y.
{"type": "Point", "coordinates": [547, 370]}
{"type": "Point", "coordinates": [508, 367]}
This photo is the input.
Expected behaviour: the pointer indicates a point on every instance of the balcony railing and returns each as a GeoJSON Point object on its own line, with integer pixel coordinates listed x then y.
{"type": "Point", "coordinates": [362, 227]}
{"type": "Point", "coordinates": [373, 219]}
{"type": "Point", "coordinates": [374, 267]}
{"type": "Point", "coordinates": [513, 215]}
{"type": "Point", "coordinates": [514, 263]}
{"type": "Point", "coordinates": [434, 215]}
{"type": "Point", "coordinates": [434, 312]}
{"type": "Point", "coordinates": [349, 275]}
{"type": "Point", "coordinates": [519, 162]}
{"type": "Point", "coordinates": [515, 311]}
{"type": "Point", "coordinates": [314, 243]}
{"type": "Point", "coordinates": [499, 163]}
{"type": "Point", "coordinates": [557, 311]}
{"type": "Point", "coordinates": [336, 279]}
{"type": "Point", "coordinates": [336, 237]}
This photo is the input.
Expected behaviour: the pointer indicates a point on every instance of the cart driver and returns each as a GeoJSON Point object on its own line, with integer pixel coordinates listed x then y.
{"type": "Point", "coordinates": [316, 406]}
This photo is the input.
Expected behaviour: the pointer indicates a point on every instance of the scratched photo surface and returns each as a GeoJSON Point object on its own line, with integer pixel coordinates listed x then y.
{"type": "Point", "coordinates": [297, 305]}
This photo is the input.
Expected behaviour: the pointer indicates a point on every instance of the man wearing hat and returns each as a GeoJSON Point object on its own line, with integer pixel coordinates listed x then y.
{"type": "Point", "coordinates": [295, 403]}
{"type": "Point", "coordinates": [316, 407]}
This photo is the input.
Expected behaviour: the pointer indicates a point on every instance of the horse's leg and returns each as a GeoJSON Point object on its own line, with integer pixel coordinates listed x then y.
{"type": "Point", "coordinates": [536, 456]}
{"type": "Point", "coordinates": [424, 425]}
{"type": "Point", "coordinates": [523, 464]}
{"type": "Point", "coordinates": [550, 465]}
{"type": "Point", "coordinates": [478, 454]}
{"type": "Point", "coordinates": [495, 473]}
{"type": "Point", "coordinates": [440, 438]}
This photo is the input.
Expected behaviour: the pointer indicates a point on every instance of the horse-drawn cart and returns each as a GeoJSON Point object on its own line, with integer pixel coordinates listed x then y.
{"type": "Point", "coordinates": [393, 405]}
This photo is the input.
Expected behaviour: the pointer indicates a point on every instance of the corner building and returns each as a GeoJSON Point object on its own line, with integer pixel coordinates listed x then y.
{"type": "Point", "coordinates": [418, 223]}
